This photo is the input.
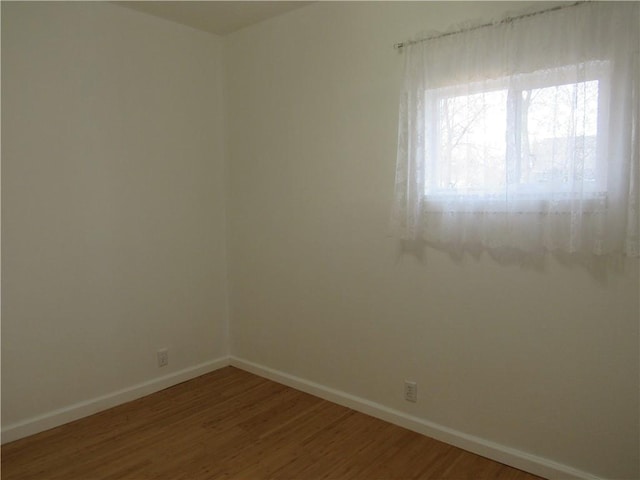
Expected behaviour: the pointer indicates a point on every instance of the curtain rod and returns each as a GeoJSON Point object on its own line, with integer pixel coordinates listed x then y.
{"type": "Point", "coordinates": [484, 25]}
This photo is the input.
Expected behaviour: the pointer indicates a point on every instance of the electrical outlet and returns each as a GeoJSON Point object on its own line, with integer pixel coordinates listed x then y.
{"type": "Point", "coordinates": [410, 391]}
{"type": "Point", "coordinates": [163, 357]}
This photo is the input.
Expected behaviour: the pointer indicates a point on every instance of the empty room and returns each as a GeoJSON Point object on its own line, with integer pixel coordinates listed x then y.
{"type": "Point", "coordinates": [305, 240]}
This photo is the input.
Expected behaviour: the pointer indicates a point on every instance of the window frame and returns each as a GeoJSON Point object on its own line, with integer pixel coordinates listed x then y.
{"type": "Point", "coordinates": [514, 86]}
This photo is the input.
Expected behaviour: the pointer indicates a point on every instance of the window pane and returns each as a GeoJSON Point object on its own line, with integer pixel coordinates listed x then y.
{"type": "Point", "coordinates": [561, 127]}
{"type": "Point", "coordinates": [471, 142]}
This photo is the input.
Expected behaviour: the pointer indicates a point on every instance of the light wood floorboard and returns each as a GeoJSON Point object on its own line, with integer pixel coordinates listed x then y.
{"type": "Point", "coordinates": [230, 424]}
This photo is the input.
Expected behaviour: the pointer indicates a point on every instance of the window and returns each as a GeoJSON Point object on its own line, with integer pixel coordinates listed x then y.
{"type": "Point", "coordinates": [524, 133]}
{"type": "Point", "coordinates": [520, 134]}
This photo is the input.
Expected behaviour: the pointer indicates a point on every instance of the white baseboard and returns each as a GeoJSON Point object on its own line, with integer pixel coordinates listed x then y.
{"type": "Point", "coordinates": [509, 456]}
{"type": "Point", "coordinates": [83, 409]}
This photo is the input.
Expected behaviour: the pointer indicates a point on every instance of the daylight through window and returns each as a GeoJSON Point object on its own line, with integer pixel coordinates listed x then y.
{"type": "Point", "coordinates": [520, 134]}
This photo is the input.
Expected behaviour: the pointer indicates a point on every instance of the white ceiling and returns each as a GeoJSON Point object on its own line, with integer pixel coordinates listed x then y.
{"type": "Point", "coordinates": [214, 16]}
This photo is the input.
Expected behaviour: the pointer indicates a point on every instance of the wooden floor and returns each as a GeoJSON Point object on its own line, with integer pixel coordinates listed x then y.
{"type": "Point", "coordinates": [230, 424]}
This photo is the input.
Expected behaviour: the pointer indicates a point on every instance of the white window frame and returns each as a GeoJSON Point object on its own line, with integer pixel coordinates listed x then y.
{"type": "Point", "coordinates": [514, 85]}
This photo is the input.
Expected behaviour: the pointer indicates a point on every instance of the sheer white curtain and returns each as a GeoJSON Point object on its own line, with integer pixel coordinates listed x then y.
{"type": "Point", "coordinates": [524, 134]}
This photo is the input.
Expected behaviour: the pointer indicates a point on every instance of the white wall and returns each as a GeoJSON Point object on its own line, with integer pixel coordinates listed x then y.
{"type": "Point", "coordinates": [113, 233]}
{"type": "Point", "coordinates": [113, 221]}
{"type": "Point", "coordinates": [543, 360]}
